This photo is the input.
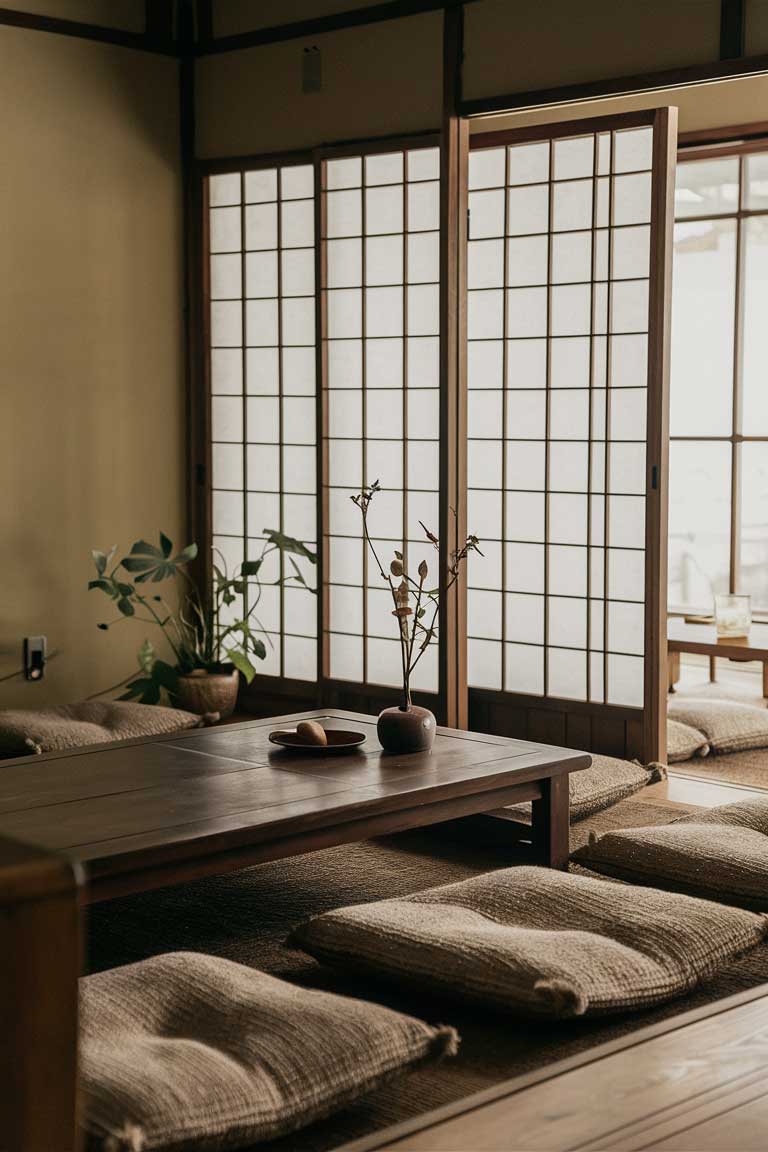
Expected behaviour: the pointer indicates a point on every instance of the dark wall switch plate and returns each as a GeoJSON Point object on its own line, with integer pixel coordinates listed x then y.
{"type": "Point", "coordinates": [35, 649]}
{"type": "Point", "coordinates": [311, 70]}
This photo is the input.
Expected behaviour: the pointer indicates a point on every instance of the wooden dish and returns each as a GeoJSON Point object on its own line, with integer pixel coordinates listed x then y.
{"type": "Point", "coordinates": [339, 740]}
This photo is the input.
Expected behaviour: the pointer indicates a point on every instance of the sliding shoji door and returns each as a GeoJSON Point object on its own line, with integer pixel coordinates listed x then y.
{"type": "Point", "coordinates": [568, 297]}
{"type": "Point", "coordinates": [380, 355]}
{"type": "Point", "coordinates": [263, 396]}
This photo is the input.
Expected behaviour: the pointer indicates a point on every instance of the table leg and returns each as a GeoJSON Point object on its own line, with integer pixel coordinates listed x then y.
{"type": "Point", "coordinates": [765, 678]}
{"type": "Point", "coordinates": [673, 665]}
{"type": "Point", "coordinates": [551, 824]}
{"type": "Point", "coordinates": [713, 669]}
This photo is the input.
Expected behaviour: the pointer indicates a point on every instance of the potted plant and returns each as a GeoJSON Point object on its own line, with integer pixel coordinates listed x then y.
{"type": "Point", "coordinates": [211, 645]}
{"type": "Point", "coordinates": [408, 727]}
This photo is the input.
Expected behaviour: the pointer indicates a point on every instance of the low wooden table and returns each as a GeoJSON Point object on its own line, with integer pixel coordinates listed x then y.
{"type": "Point", "coordinates": [697, 1082]}
{"type": "Point", "coordinates": [112, 820]}
{"type": "Point", "coordinates": [703, 639]}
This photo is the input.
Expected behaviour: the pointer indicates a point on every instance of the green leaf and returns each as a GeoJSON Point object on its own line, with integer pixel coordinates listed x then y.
{"type": "Point", "coordinates": [250, 567]}
{"type": "Point", "coordinates": [103, 627]}
{"type": "Point", "coordinates": [103, 585]}
{"type": "Point", "coordinates": [242, 663]}
{"type": "Point", "coordinates": [139, 564]}
{"type": "Point", "coordinates": [165, 675]}
{"type": "Point", "coordinates": [146, 657]}
{"type": "Point", "coordinates": [289, 544]}
{"type": "Point", "coordinates": [298, 574]}
{"type": "Point", "coordinates": [187, 554]}
{"type": "Point", "coordinates": [399, 555]}
{"type": "Point", "coordinates": [136, 688]}
{"type": "Point", "coordinates": [151, 695]}
{"type": "Point", "coordinates": [100, 560]}
{"type": "Point", "coordinates": [129, 695]}
{"type": "Point", "coordinates": [126, 607]}
{"type": "Point", "coordinates": [144, 548]}
{"type": "Point", "coordinates": [166, 545]}
{"type": "Point", "coordinates": [258, 647]}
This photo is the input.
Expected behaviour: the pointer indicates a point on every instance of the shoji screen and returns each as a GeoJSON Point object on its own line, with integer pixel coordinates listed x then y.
{"type": "Point", "coordinates": [380, 351]}
{"type": "Point", "coordinates": [567, 287]}
{"type": "Point", "coordinates": [261, 243]}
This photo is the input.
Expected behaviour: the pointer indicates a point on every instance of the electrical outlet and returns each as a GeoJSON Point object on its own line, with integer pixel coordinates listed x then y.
{"type": "Point", "coordinates": [35, 655]}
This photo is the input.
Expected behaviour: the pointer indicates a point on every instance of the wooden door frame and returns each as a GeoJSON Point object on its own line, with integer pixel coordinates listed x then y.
{"type": "Point", "coordinates": [621, 731]}
{"type": "Point", "coordinates": [454, 161]}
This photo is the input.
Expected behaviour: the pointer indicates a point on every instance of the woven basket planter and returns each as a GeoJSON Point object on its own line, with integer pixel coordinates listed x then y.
{"type": "Point", "coordinates": [207, 692]}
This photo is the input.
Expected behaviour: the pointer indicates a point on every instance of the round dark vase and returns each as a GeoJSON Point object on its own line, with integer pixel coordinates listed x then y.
{"type": "Point", "coordinates": [402, 730]}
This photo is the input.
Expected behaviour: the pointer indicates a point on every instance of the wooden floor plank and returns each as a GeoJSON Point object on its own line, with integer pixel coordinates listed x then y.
{"type": "Point", "coordinates": [675, 1090]}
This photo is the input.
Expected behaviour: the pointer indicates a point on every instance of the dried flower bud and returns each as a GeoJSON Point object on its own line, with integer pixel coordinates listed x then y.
{"type": "Point", "coordinates": [396, 568]}
{"type": "Point", "coordinates": [423, 571]}
{"type": "Point", "coordinates": [401, 594]}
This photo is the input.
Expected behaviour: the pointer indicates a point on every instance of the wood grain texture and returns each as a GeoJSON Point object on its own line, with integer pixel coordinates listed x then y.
{"type": "Point", "coordinates": [39, 919]}
{"type": "Point", "coordinates": [160, 811]}
{"type": "Point", "coordinates": [703, 639]}
{"type": "Point", "coordinates": [696, 1081]}
{"type": "Point", "coordinates": [657, 448]}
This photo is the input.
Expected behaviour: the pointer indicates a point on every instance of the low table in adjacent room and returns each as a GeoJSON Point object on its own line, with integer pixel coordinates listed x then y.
{"type": "Point", "coordinates": [703, 639]}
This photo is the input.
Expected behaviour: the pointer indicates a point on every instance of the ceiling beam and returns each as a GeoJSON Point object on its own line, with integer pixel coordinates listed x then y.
{"type": "Point", "coordinates": [354, 18]}
{"type": "Point", "coordinates": [119, 36]}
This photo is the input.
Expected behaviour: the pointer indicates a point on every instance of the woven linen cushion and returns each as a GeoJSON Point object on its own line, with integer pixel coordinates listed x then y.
{"type": "Point", "coordinates": [604, 784]}
{"type": "Point", "coordinates": [185, 1051]}
{"type": "Point", "coordinates": [26, 731]}
{"type": "Point", "coordinates": [728, 725]}
{"type": "Point", "coordinates": [720, 853]}
{"type": "Point", "coordinates": [684, 741]}
{"type": "Point", "coordinates": [539, 942]}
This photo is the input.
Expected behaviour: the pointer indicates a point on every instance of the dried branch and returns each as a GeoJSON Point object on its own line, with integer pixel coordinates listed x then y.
{"type": "Point", "coordinates": [415, 637]}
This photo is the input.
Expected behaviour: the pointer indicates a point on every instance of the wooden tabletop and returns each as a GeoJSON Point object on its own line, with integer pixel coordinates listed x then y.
{"type": "Point", "coordinates": [703, 638]}
{"type": "Point", "coordinates": [148, 812]}
{"type": "Point", "coordinates": [697, 1082]}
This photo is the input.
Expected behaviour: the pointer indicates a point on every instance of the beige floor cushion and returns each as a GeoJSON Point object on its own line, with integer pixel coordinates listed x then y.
{"type": "Point", "coordinates": [27, 731]}
{"type": "Point", "coordinates": [721, 854]}
{"type": "Point", "coordinates": [539, 942]}
{"type": "Point", "coordinates": [606, 783]}
{"type": "Point", "coordinates": [186, 1051]}
{"type": "Point", "coordinates": [684, 741]}
{"type": "Point", "coordinates": [728, 725]}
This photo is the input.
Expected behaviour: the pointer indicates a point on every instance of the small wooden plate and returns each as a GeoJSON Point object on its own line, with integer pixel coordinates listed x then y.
{"type": "Point", "coordinates": [339, 740]}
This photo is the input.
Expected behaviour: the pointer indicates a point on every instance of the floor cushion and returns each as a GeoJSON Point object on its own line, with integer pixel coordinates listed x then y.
{"type": "Point", "coordinates": [185, 1051]}
{"type": "Point", "coordinates": [538, 942]}
{"type": "Point", "coordinates": [604, 784]}
{"type": "Point", "coordinates": [719, 853]}
{"type": "Point", "coordinates": [26, 731]}
{"type": "Point", "coordinates": [684, 741]}
{"type": "Point", "coordinates": [728, 725]}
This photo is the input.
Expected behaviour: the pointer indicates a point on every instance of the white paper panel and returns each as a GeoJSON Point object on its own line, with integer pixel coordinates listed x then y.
{"type": "Point", "coordinates": [524, 669]}
{"type": "Point", "coordinates": [264, 441]}
{"type": "Point", "coordinates": [382, 400]}
{"type": "Point", "coordinates": [484, 663]}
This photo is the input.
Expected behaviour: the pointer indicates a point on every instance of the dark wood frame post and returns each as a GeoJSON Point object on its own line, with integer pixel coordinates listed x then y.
{"type": "Point", "coordinates": [454, 155]}
{"type": "Point", "coordinates": [39, 968]}
{"type": "Point", "coordinates": [657, 452]}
